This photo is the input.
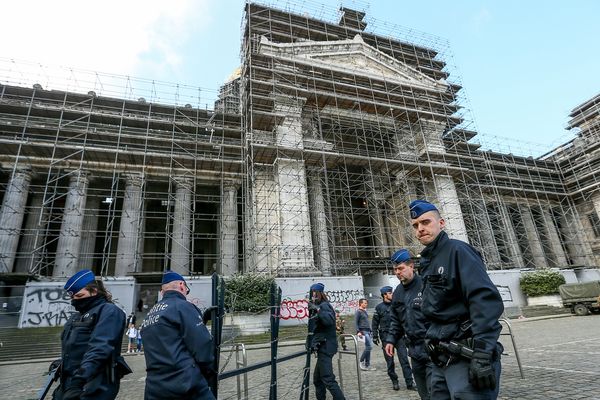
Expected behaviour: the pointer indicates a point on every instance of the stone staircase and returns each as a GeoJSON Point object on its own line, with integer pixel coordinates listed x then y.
{"type": "Point", "coordinates": [33, 343]}
{"type": "Point", "coordinates": [543, 310]}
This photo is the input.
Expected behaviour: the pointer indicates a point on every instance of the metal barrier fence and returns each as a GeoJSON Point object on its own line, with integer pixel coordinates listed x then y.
{"type": "Point", "coordinates": [514, 344]}
{"type": "Point", "coordinates": [342, 338]}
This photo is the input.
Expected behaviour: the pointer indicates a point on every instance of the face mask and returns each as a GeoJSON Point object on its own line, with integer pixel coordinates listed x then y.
{"type": "Point", "coordinates": [83, 305]}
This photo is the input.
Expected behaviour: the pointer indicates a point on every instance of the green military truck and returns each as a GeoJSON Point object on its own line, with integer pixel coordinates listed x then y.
{"type": "Point", "coordinates": [581, 298]}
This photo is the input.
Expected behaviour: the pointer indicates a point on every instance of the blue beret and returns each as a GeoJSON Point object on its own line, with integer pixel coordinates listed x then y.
{"type": "Point", "coordinates": [79, 281]}
{"type": "Point", "coordinates": [386, 289]}
{"type": "Point", "coordinates": [400, 256]}
{"type": "Point", "coordinates": [317, 287]}
{"type": "Point", "coordinates": [420, 207]}
{"type": "Point", "coordinates": [170, 276]}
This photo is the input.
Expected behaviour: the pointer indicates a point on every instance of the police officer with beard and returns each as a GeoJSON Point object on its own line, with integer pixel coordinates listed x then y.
{"type": "Point", "coordinates": [406, 316]}
{"type": "Point", "coordinates": [91, 365]}
{"type": "Point", "coordinates": [177, 346]}
{"type": "Point", "coordinates": [463, 306]}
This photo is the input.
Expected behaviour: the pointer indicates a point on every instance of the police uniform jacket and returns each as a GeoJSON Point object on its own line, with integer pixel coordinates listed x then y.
{"type": "Point", "coordinates": [382, 320]}
{"type": "Point", "coordinates": [322, 324]}
{"type": "Point", "coordinates": [406, 311]}
{"type": "Point", "coordinates": [177, 346]}
{"type": "Point", "coordinates": [91, 345]}
{"type": "Point", "coordinates": [459, 299]}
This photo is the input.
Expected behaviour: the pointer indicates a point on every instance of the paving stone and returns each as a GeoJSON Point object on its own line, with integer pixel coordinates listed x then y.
{"type": "Point", "coordinates": [560, 358]}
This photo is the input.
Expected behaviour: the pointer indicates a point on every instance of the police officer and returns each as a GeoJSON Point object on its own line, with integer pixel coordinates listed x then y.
{"type": "Point", "coordinates": [406, 317]}
{"type": "Point", "coordinates": [463, 307]}
{"type": "Point", "coordinates": [177, 345]}
{"type": "Point", "coordinates": [323, 341]}
{"type": "Point", "coordinates": [91, 342]}
{"type": "Point", "coordinates": [381, 328]}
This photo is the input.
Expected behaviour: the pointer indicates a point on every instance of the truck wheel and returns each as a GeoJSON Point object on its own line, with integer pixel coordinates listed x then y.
{"type": "Point", "coordinates": [581, 310]}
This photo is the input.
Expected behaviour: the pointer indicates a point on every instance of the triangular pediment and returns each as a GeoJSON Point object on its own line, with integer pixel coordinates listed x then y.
{"type": "Point", "coordinates": [353, 56]}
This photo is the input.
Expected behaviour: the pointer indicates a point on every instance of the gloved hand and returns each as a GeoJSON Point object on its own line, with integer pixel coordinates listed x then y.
{"type": "Point", "coordinates": [207, 314]}
{"type": "Point", "coordinates": [75, 389]}
{"type": "Point", "coordinates": [376, 341]}
{"type": "Point", "coordinates": [481, 371]}
{"type": "Point", "coordinates": [312, 307]}
{"type": "Point", "coordinates": [54, 364]}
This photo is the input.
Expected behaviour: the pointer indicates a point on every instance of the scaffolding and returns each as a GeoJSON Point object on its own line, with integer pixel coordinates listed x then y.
{"type": "Point", "coordinates": [358, 122]}
{"type": "Point", "coordinates": [123, 185]}
{"type": "Point", "coordinates": [303, 165]}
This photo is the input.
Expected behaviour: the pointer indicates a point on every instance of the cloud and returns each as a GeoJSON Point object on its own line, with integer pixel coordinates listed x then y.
{"type": "Point", "coordinates": [481, 19]}
{"type": "Point", "coordinates": [114, 36]}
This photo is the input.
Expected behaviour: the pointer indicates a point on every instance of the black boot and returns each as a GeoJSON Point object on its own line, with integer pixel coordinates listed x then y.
{"type": "Point", "coordinates": [411, 386]}
{"type": "Point", "coordinates": [395, 385]}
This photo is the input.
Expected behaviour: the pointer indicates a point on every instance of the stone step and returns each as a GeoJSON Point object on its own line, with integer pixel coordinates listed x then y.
{"type": "Point", "coordinates": [33, 343]}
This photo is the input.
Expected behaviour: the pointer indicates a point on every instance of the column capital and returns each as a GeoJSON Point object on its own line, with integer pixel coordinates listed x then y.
{"type": "Point", "coordinates": [133, 178]}
{"type": "Point", "coordinates": [183, 181]}
{"type": "Point", "coordinates": [79, 176]}
{"type": "Point", "coordinates": [19, 170]}
{"type": "Point", "coordinates": [231, 185]}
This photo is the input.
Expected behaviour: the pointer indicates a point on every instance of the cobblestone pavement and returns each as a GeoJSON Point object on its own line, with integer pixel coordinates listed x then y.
{"type": "Point", "coordinates": [560, 359]}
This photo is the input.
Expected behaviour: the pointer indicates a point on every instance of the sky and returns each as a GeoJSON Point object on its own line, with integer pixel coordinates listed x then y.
{"type": "Point", "coordinates": [524, 65]}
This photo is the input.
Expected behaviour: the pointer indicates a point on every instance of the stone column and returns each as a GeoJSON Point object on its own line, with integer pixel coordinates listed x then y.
{"type": "Point", "coordinates": [577, 242]}
{"type": "Point", "coordinates": [182, 218]}
{"type": "Point", "coordinates": [11, 217]}
{"type": "Point", "coordinates": [31, 230]}
{"type": "Point", "coordinates": [554, 239]}
{"type": "Point", "coordinates": [533, 240]}
{"type": "Point", "coordinates": [295, 250]}
{"type": "Point", "coordinates": [511, 241]}
{"type": "Point", "coordinates": [449, 207]}
{"type": "Point", "coordinates": [375, 197]}
{"type": "Point", "coordinates": [264, 234]}
{"type": "Point", "coordinates": [88, 232]}
{"type": "Point", "coordinates": [319, 225]}
{"type": "Point", "coordinates": [229, 230]}
{"type": "Point", "coordinates": [69, 239]}
{"type": "Point", "coordinates": [131, 222]}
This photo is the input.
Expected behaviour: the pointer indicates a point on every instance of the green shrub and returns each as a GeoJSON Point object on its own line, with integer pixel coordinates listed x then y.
{"type": "Point", "coordinates": [542, 282]}
{"type": "Point", "coordinates": [248, 292]}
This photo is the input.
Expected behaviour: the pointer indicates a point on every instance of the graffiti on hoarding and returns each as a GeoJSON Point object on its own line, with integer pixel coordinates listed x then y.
{"type": "Point", "coordinates": [47, 307]}
{"type": "Point", "coordinates": [345, 301]}
{"type": "Point", "coordinates": [343, 296]}
{"type": "Point", "coordinates": [293, 309]}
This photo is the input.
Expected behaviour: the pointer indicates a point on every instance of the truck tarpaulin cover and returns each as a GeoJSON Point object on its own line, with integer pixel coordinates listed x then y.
{"type": "Point", "coordinates": [579, 290]}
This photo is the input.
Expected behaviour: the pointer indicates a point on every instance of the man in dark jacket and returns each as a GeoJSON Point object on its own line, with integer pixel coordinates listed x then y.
{"type": "Point", "coordinates": [406, 317]}
{"type": "Point", "coordinates": [323, 341]}
{"type": "Point", "coordinates": [381, 328]}
{"type": "Point", "coordinates": [363, 330]}
{"type": "Point", "coordinates": [91, 342]}
{"type": "Point", "coordinates": [177, 346]}
{"type": "Point", "coordinates": [463, 306]}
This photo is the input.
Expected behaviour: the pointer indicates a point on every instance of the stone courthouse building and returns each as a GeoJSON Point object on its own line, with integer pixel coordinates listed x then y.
{"type": "Point", "coordinates": [304, 167]}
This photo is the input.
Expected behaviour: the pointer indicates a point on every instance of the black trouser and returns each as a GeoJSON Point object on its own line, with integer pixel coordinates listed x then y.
{"type": "Point", "coordinates": [421, 369]}
{"type": "Point", "coordinates": [403, 358]}
{"type": "Point", "coordinates": [323, 378]}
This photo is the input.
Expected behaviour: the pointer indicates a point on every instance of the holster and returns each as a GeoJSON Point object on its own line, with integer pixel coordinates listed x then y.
{"type": "Point", "coordinates": [119, 369]}
{"type": "Point", "coordinates": [316, 345]}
